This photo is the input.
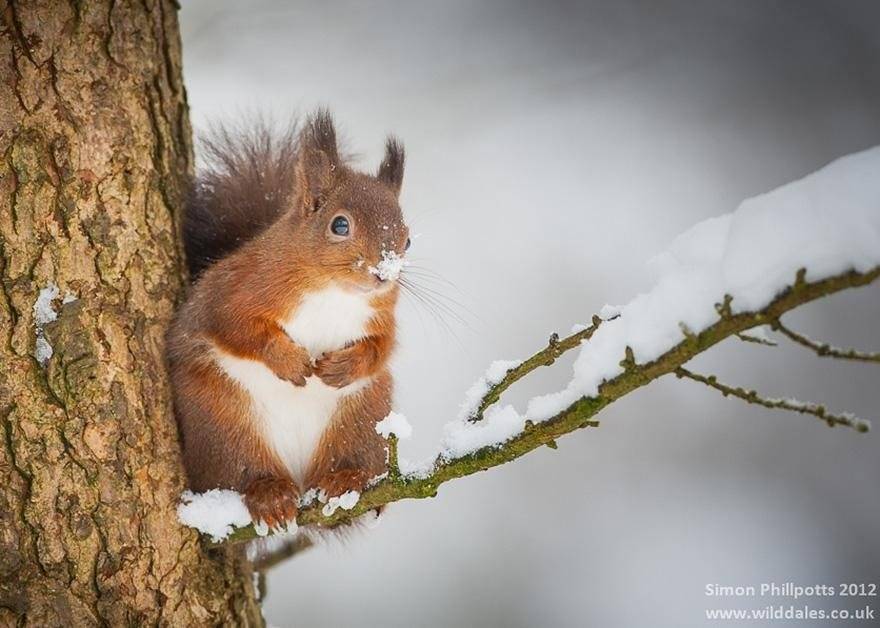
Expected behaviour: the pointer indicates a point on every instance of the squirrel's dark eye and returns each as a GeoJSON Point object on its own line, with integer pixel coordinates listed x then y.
{"type": "Point", "coordinates": [408, 243]}
{"type": "Point", "coordinates": [340, 226]}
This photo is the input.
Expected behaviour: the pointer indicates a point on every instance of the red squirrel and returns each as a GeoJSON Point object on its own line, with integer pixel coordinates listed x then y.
{"type": "Point", "coordinates": [279, 356]}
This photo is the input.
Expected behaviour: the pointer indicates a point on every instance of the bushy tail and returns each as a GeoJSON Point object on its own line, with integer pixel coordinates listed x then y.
{"type": "Point", "coordinates": [241, 186]}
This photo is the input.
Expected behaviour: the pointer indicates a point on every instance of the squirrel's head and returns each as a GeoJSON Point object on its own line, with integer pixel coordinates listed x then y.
{"type": "Point", "coordinates": [352, 222]}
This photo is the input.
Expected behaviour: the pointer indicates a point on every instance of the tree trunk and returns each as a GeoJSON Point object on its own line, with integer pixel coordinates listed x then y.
{"type": "Point", "coordinates": [96, 149]}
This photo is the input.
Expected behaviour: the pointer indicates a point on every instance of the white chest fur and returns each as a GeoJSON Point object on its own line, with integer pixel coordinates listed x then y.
{"type": "Point", "coordinates": [328, 319]}
{"type": "Point", "coordinates": [294, 417]}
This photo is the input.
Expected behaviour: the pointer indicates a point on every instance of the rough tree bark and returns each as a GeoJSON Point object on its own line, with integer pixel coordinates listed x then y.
{"type": "Point", "coordinates": [95, 144]}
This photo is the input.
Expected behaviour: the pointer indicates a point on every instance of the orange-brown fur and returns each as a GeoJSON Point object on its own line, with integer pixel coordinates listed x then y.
{"type": "Point", "coordinates": [236, 305]}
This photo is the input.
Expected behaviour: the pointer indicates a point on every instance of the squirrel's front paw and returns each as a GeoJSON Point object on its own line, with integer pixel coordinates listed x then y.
{"type": "Point", "coordinates": [273, 501]}
{"type": "Point", "coordinates": [339, 368]}
{"type": "Point", "coordinates": [294, 372]}
{"type": "Point", "coordinates": [339, 482]}
{"type": "Point", "coordinates": [288, 361]}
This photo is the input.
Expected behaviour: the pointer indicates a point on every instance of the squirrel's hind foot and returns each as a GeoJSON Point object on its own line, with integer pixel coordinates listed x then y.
{"type": "Point", "coordinates": [339, 482]}
{"type": "Point", "coordinates": [272, 500]}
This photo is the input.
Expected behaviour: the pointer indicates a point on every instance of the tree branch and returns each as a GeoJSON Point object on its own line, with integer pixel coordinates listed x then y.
{"type": "Point", "coordinates": [756, 340]}
{"type": "Point", "coordinates": [298, 544]}
{"type": "Point", "coordinates": [822, 349]}
{"type": "Point", "coordinates": [751, 396]}
{"type": "Point", "coordinates": [545, 357]}
{"type": "Point", "coordinates": [579, 414]}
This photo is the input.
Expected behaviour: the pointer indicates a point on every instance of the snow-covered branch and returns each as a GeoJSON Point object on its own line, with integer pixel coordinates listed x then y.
{"type": "Point", "coordinates": [724, 276]}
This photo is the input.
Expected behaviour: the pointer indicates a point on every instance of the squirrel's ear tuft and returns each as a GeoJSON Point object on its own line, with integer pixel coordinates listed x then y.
{"type": "Point", "coordinates": [320, 134]}
{"type": "Point", "coordinates": [317, 160]}
{"type": "Point", "coordinates": [391, 168]}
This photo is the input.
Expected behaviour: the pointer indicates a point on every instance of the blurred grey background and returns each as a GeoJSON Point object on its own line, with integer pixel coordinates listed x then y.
{"type": "Point", "coordinates": [553, 148]}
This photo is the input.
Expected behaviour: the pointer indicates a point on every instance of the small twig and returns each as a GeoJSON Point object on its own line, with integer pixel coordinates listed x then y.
{"type": "Point", "coordinates": [393, 463]}
{"type": "Point", "coordinates": [298, 544]}
{"type": "Point", "coordinates": [822, 349]}
{"type": "Point", "coordinates": [546, 357]}
{"type": "Point", "coordinates": [751, 396]}
{"type": "Point", "coordinates": [745, 337]}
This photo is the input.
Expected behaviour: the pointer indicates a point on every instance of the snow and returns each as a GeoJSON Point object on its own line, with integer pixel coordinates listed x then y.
{"type": "Point", "coordinates": [42, 349]}
{"type": "Point", "coordinates": [416, 469]}
{"type": "Point", "coordinates": [827, 222]}
{"type": "Point", "coordinates": [309, 497]}
{"type": "Point", "coordinates": [609, 311]}
{"type": "Point", "coordinates": [493, 375]}
{"type": "Point", "coordinates": [462, 437]}
{"type": "Point", "coordinates": [759, 333]}
{"type": "Point", "coordinates": [290, 528]}
{"type": "Point", "coordinates": [346, 501]}
{"type": "Point", "coordinates": [390, 266]}
{"type": "Point", "coordinates": [215, 513]}
{"type": "Point", "coordinates": [44, 313]}
{"type": "Point", "coordinates": [395, 423]}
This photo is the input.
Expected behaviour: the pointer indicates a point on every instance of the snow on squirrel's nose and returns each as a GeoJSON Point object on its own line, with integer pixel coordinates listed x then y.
{"type": "Point", "coordinates": [390, 266]}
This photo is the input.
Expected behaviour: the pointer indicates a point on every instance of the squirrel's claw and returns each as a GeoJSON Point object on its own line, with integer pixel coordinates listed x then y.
{"type": "Point", "coordinates": [337, 483]}
{"type": "Point", "coordinates": [274, 501]}
{"type": "Point", "coordinates": [296, 373]}
{"type": "Point", "coordinates": [338, 368]}
{"type": "Point", "coordinates": [287, 360]}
